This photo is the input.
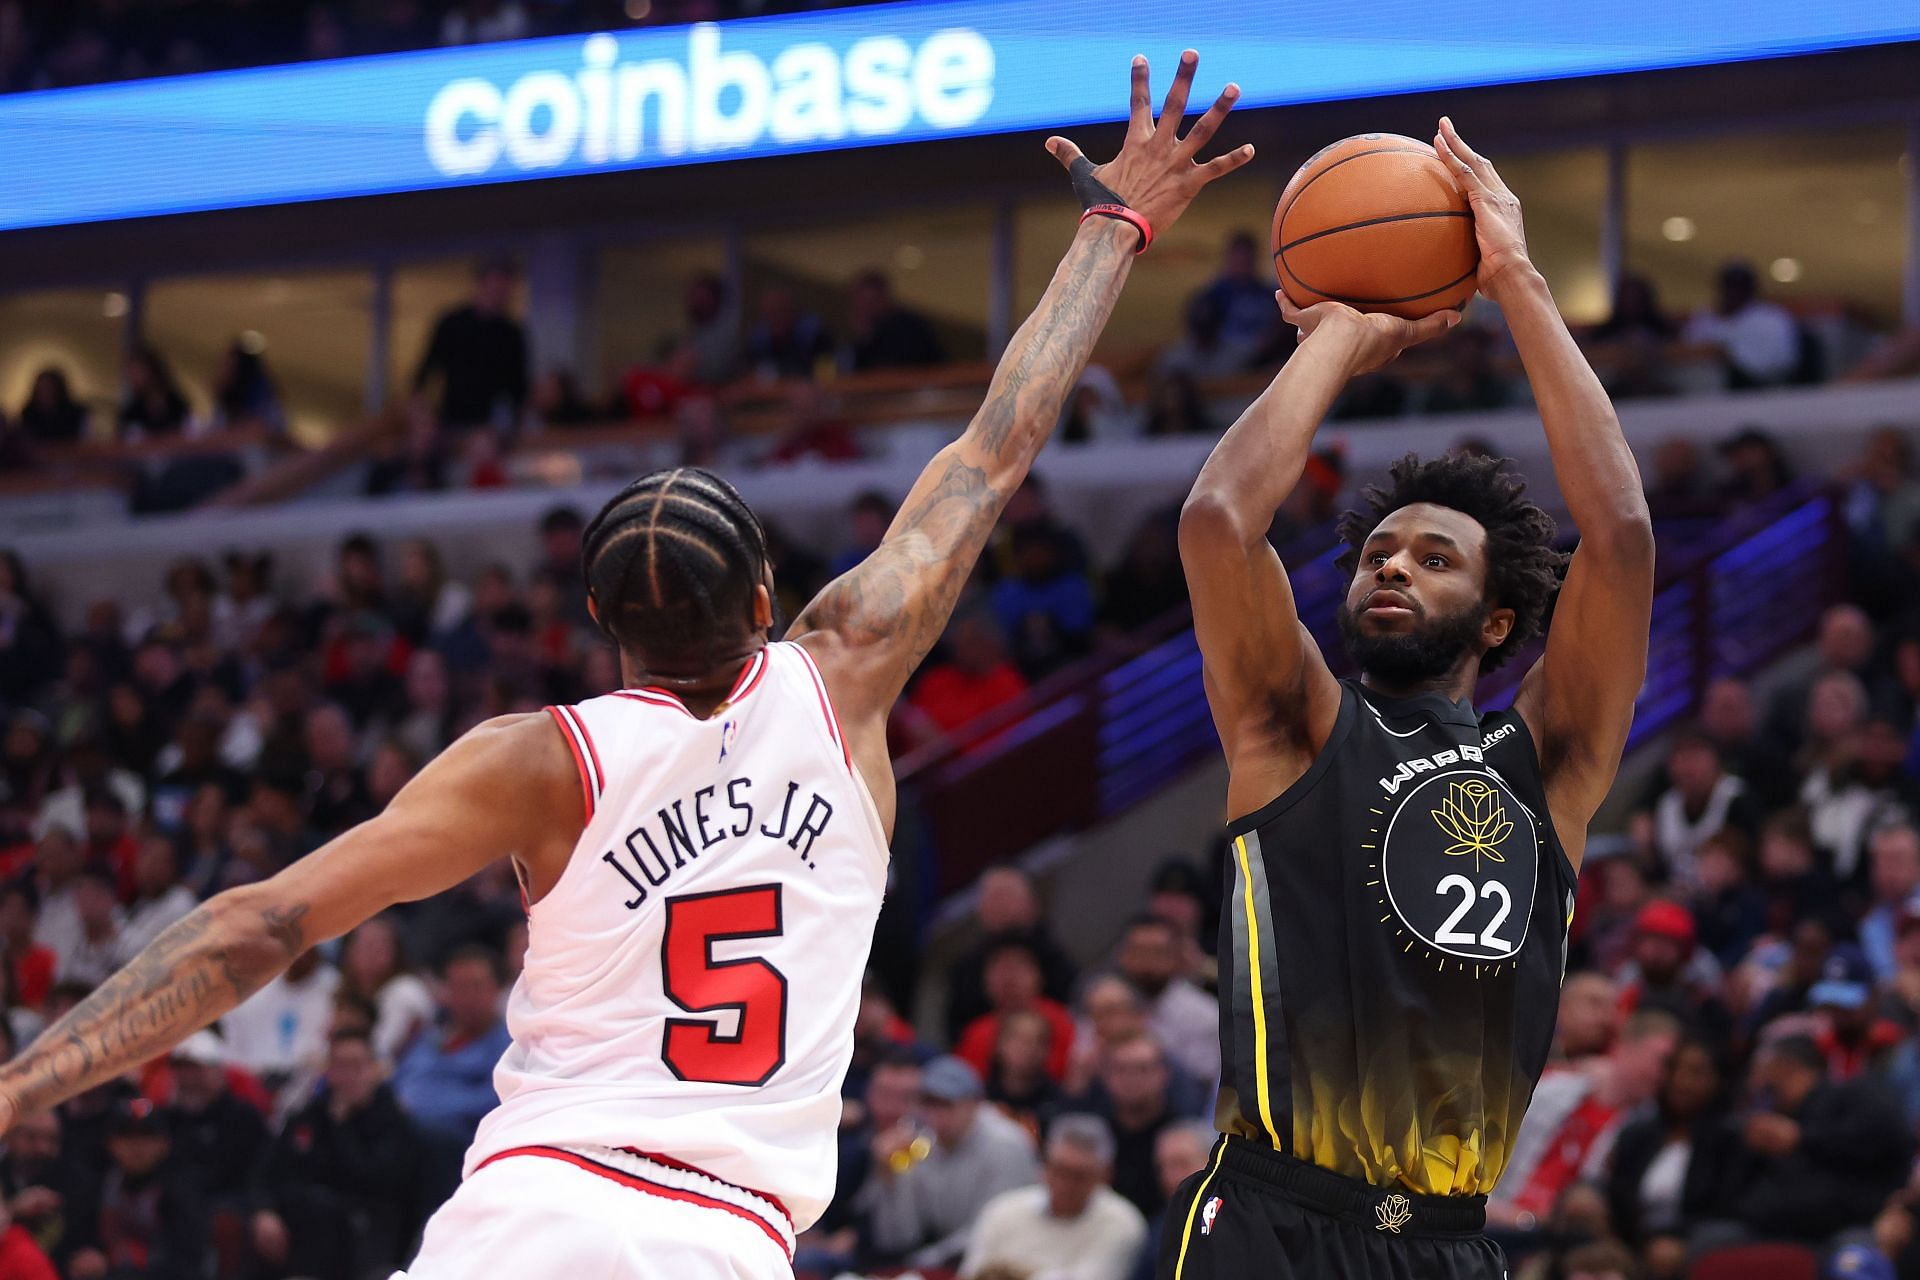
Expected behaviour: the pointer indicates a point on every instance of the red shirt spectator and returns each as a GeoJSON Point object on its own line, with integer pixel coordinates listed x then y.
{"type": "Point", "coordinates": [32, 963]}
{"type": "Point", "coordinates": [21, 1259]}
{"type": "Point", "coordinates": [1013, 981]}
{"type": "Point", "coordinates": [975, 678]}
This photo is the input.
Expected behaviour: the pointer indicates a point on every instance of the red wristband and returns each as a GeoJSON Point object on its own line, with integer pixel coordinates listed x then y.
{"type": "Point", "coordinates": [1126, 215]}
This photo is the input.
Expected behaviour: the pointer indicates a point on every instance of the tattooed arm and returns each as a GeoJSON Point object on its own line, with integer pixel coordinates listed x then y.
{"type": "Point", "coordinates": [871, 627]}
{"type": "Point", "coordinates": [507, 788]}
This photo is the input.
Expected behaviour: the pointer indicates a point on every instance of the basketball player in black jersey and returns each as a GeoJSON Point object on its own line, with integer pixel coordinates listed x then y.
{"type": "Point", "coordinates": [1403, 866]}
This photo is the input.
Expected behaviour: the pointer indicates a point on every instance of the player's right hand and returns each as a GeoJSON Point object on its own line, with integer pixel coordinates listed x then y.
{"type": "Point", "coordinates": [1377, 338]}
{"type": "Point", "coordinates": [1155, 172]}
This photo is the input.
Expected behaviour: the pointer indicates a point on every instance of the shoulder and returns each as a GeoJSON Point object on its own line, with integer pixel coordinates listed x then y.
{"type": "Point", "coordinates": [1117, 1212]}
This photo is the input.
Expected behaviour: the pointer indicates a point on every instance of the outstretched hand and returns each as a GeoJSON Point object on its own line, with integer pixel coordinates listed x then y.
{"type": "Point", "coordinates": [1156, 172]}
{"type": "Point", "coordinates": [1497, 223]}
{"type": "Point", "coordinates": [1379, 337]}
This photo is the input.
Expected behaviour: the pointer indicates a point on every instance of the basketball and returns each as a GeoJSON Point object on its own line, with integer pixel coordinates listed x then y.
{"type": "Point", "coordinates": [1376, 222]}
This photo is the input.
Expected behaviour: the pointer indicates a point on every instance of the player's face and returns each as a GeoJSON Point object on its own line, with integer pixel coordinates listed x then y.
{"type": "Point", "coordinates": [1417, 601]}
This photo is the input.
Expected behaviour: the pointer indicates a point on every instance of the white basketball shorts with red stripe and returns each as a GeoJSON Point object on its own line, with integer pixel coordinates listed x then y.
{"type": "Point", "coordinates": [594, 1213]}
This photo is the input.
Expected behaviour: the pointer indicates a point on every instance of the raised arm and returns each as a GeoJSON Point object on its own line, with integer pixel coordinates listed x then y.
{"type": "Point", "coordinates": [444, 826]}
{"type": "Point", "coordinates": [872, 626]}
{"type": "Point", "coordinates": [1578, 699]}
{"type": "Point", "coordinates": [1272, 697]}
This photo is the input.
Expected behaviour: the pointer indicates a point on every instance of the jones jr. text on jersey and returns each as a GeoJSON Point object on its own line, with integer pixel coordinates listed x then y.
{"type": "Point", "coordinates": [694, 826]}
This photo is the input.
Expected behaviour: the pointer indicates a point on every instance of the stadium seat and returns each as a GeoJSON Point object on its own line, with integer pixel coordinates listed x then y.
{"type": "Point", "coordinates": [1757, 1262]}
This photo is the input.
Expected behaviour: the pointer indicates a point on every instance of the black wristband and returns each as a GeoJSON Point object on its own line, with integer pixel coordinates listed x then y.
{"type": "Point", "coordinates": [1090, 189]}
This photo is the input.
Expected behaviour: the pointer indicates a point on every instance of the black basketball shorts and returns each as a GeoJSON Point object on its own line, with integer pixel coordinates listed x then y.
{"type": "Point", "coordinates": [1255, 1214]}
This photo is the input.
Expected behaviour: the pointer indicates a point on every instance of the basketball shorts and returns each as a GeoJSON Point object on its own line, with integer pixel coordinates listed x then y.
{"type": "Point", "coordinates": [1254, 1212]}
{"type": "Point", "coordinates": [594, 1213]}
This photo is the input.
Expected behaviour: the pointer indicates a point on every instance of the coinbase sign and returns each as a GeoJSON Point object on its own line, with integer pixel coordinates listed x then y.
{"type": "Point", "coordinates": [884, 73]}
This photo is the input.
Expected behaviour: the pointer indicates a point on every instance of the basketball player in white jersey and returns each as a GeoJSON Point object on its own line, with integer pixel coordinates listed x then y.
{"type": "Point", "coordinates": [703, 853]}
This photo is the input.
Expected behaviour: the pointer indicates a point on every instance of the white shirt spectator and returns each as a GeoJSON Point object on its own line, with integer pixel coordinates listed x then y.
{"type": "Point", "coordinates": [91, 960]}
{"type": "Point", "coordinates": [404, 1006]}
{"type": "Point", "coordinates": [281, 1030]}
{"type": "Point", "coordinates": [148, 920]}
{"type": "Point", "coordinates": [1017, 1230]}
{"type": "Point", "coordinates": [1679, 838]}
{"type": "Point", "coordinates": [57, 927]}
{"type": "Point", "coordinates": [1761, 339]}
{"type": "Point", "coordinates": [1186, 1022]}
{"type": "Point", "coordinates": [67, 807]}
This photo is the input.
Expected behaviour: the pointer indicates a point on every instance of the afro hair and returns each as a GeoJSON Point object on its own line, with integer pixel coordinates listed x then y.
{"type": "Point", "coordinates": [1523, 567]}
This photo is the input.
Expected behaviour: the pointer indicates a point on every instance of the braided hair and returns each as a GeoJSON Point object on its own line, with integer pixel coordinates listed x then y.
{"type": "Point", "coordinates": [671, 564]}
{"type": "Point", "coordinates": [1523, 566]}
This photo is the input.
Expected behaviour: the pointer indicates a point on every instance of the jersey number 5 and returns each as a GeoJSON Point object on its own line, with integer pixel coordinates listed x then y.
{"type": "Point", "coordinates": [694, 1048]}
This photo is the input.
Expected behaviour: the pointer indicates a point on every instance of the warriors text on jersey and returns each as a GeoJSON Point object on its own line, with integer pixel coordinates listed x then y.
{"type": "Point", "coordinates": [692, 978]}
{"type": "Point", "coordinates": [1394, 940]}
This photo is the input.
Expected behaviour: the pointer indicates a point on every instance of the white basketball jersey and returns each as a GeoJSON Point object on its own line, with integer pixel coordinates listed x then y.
{"type": "Point", "coordinates": [691, 980]}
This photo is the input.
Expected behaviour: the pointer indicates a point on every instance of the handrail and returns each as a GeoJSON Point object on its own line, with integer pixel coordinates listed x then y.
{"type": "Point", "coordinates": [1101, 736]}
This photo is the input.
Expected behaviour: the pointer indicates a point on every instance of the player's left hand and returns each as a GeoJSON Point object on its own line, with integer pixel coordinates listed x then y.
{"type": "Point", "coordinates": [1155, 172]}
{"type": "Point", "coordinates": [1497, 223]}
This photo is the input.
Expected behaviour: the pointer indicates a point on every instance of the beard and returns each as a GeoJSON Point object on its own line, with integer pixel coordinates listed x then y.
{"type": "Point", "coordinates": [1424, 654]}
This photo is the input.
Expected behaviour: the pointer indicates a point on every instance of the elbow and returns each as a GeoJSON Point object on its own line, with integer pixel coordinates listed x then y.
{"type": "Point", "coordinates": [1624, 537]}
{"type": "Point", "coordinates": [1208, 519]}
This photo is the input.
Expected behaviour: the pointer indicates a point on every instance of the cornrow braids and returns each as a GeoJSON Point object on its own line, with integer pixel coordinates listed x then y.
{"type": "Point", "coordinates": [670, 561]}
{"type": "Point", "coordinates": [1523, 567]}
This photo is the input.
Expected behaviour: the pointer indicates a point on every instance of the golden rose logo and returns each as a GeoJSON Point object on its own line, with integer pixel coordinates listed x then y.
{"type": "Point", "coordinates": [1474, 820]}
{"type": "Point", "coordinates": [1393, 1213]}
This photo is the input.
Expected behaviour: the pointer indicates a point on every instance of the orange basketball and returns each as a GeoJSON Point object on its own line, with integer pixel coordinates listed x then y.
{"type": "Point", "coordinates": [1375, 221]}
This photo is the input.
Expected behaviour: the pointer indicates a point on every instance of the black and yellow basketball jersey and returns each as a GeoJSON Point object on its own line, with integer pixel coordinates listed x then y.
{"type": "Point", "coordinates": [1392, 948]}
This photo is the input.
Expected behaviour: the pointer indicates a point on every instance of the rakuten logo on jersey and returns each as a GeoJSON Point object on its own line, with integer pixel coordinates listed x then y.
{"type": "Point", "coordinates": [715, 100]}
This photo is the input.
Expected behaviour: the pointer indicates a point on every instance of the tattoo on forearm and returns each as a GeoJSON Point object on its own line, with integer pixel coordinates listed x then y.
{"type": "Point", "coordinates": [198, 969]}
{"type": "Point", "coordinates": [905, 591]}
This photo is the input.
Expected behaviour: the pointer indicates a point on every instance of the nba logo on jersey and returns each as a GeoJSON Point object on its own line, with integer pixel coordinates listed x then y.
{"type": "Point", "coordinates": [728, 732]}
{"type": "Point", "coordinates": [1208, 1214]}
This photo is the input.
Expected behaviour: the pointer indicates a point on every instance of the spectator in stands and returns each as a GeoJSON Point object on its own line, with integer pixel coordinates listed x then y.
{"type": "Point", "coordinates": [709, 350]}
{"type": "Point", "coordinates": [1203, 351]}
{"type": "Point", "coordinates": [336, 786]}
{"type": "Point", "coordinates": [1844, 643]}
{"type": "Point", "coordinates": [478, 355]}
{"type": "Point", "coordinates": [280, 1032]}
{"type": "Point", "coordinates": [51, 415]}
{"type": "Point", "coordinates": [1242, 296]}
{"type": "Point", "coordinates": [1678, 488]}
{"type": "Point", "coordinates": [426, 603]}
{"type": "Point", "coordinates": [1671, 1169]}
{"type": "Point", "coordinates": [1856, 1040]}
{"type": "Point", "coordinates": [1007, 907]}
{"type": "Point", "coordinates": [1468, 382]}
{"type": "Point", "coordinates": [1631, 341]}
{"type": "Point", "coordinates": [1893, 855]}
{"type": "Point", "coordinates": [1148, 583]}
{"type": "Point", "coordinates": [1018, 1079]}
{"type": "Point", "coordinates": [58, 923]}
{"type": "Point", "coordinates": [97, 955]}
{"type": "Point", "coordinates": [1824, 1156]}
{"type": "Point", "coordinates": [1668, 971]}
{"type": "Point", "coordinates": [559, 402]}
{"type": "Point", "coordinates": [428, 722]}
{"type": "Point", "coordinates": [1096, 409]}
{"type": "Point", "coordinates": [48, 1193]}
{"type": "Point", "coordinates": [373, 967]}
{"type": "Point", "coordinates": [1045, 605]}
{"type": "Point", "coordinates": [786, 342]}
{"type": "Point", "coordinates": [1797, 884]}
{"type": "Point", "coordinates": [1729, 911]}
{"type": "Point", "coordinates": [30, 964]}
{"type": "Point", "coordinates": [1175, 406]}
{"type": "Point", "coordinates": [1072, 1225]}
{"type": "Point", "coordinates": [416, 463]}
{"type": "Point", "coordinates": [1757, 341]}
{"type": "Point", "coordinates": [30, 650]}
{"type": "Point", "coordinates": [560, 531]}
{"type": "Point", "coordinates": [153, 1219]}
{"type": "Point", "coordinates": [217, 1136]}
{"type": "Point", "coordinates": [1136, 1100]}
{"type": "Point", "coordinates": [244, 393]}
{"type": "Point", "coordinates": [152, 406]}
{"type": "Point", "coordinates": [1883, 495]}
{"type": "Point", "coordinates": [1702, 800]}
{"type": "Point", "coordinates": [1181, 1151]}
{"type": "Point", "coordinates": [338, 1191]}
{"type": "Point", "coordinates": [159, 899]}
{"type": "Point", "coordinates": [1728, 716]}
{"type": "Point", "coordinates": [868, 516]}
{"type": "Point", "coordinates": [971, 678]}
{"type": "Point", "coordinates": [1571, 1124]}
{"type": "Point", "coordinates": [1758, 468]}
{"type": "Point", "coordinates": [1013, 979]}
{"type": "Point", "coordinates": [922, 1208]}
{"type": "Point", "coordinates": [882, 1125]}
{"type": "Point", "coordinates": [445, 1081]}
{"type": "Point", "coordinates": [1589, 1017]}
{"type": "Point", "coordinates": [1183, 1018]}
{"type": "Point", "coordinates": [886, 335]}
{"type": "Point", "coordinates": [1795, 968]}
